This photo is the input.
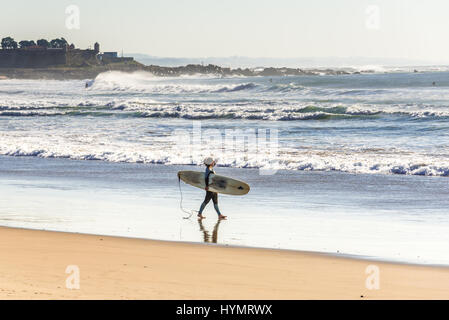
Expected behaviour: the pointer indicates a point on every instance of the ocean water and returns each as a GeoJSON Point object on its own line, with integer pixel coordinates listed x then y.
{"type": "Point", "coordinates": [394, 123]}
{"type": "Point", "coordinates": [358, 163]}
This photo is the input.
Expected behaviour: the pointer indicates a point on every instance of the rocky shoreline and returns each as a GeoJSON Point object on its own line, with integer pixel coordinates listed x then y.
{"type": "Point", "coordinates": [90, 72]}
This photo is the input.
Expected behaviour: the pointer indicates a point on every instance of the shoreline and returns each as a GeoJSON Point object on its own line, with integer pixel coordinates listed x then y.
{"type": "Point", "coordinates": [142, 201]}
{"type": "Point", "coordinates": [332, 255]}
{"type": "Point", "coordinates": [129, 268]}
{"type": "Point", "coordinates": [193, 165]}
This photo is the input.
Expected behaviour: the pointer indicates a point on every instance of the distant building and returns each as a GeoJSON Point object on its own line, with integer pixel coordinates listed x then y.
{"type": "Point", "coordinates": [39, 56]}
{"type": "Point", "coordinates": [112, 57]}
{"type": "Point", "coordinates": [110, 54]}
{"type": "Point", "coordinates": [36, 47]}
{"type": "Point", "coordinates": [32, 57]}
{"type": "Point", "coordinates": [97, 47]}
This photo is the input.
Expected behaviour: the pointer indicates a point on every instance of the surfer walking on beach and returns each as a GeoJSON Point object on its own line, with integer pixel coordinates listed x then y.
{"type": "Point", "coordinates": [210, 163]}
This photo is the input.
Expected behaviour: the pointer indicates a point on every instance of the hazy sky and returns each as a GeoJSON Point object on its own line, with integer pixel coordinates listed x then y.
{"type": "Point", "coordinates": [412, 29]}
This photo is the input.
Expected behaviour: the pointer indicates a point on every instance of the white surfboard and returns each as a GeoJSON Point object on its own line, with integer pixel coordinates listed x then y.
{"type": "Point", "coordinates": [217, 183]}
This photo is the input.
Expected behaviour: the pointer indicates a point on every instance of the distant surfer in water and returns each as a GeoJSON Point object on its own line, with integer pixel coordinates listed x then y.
{"type": "Point", "coordinates": [210, 163]}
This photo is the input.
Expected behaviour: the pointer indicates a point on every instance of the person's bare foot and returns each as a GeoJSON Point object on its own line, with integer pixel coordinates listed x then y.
{"type": "Point", "coordinates": [221, 217]}
{"type": "Point", "coordinates": [200, 216]}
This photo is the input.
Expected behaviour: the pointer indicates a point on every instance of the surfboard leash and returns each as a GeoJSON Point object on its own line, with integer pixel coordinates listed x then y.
{"type": "Point", "coordinates": [191, 212]}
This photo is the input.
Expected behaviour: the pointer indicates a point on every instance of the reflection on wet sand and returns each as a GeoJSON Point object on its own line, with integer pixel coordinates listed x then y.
{"type": "Point", "coordinates": [206, 236]}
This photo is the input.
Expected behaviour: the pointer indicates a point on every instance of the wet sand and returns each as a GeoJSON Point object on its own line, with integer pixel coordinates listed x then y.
{"type": "Point", "coordinates": [34, 265]}
{"type": "Point", "coordinates": [394, 218]}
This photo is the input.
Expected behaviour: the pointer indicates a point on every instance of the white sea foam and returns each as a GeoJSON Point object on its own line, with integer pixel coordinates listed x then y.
{"type": "Point", "coordinates": [376, 68]}
{"type": "Point", "coordinates": [109, 145]}
{"type": "Point", "coordinates": [146, 82]}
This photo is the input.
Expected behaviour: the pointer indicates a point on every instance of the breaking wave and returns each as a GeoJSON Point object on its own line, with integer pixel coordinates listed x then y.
{"type": "Point", "coordinates": [143, 82]}
{"type": "Point", "coordinates": [374, 164]}
{"type": "Point", "coordinates": [263, 110]}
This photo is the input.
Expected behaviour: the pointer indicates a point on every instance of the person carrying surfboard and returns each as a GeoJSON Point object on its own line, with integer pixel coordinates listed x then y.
{"type": "Point", "coordinates": [210, 163]}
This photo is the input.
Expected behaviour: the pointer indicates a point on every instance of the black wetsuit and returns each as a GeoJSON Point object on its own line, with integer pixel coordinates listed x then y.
{"type": "Point", "coordinates": [209, 194]}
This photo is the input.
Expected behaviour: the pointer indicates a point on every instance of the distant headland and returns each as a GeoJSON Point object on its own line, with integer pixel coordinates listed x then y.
{"type": "Point", "coordinates": [54, 53]}
{"type": "Point", "coordinates": [57, 59]}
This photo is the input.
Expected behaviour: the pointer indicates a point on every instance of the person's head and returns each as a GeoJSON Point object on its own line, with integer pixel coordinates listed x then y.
{"type": "Point", "coordinates": [209, 162]}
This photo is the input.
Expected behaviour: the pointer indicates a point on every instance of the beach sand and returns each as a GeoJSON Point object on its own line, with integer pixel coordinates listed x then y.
{"type": "Point", "coordinates": [34, 263]}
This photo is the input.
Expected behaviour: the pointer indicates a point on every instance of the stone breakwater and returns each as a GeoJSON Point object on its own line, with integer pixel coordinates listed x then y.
{"type": "Point", "coordinates": [90, 72]}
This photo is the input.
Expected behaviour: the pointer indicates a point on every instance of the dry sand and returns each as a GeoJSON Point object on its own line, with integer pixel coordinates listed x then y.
{"type": "Point", "coordinates": [33, 266]}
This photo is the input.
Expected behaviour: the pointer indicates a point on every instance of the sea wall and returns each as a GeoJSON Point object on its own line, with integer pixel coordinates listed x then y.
{"type": "Point", "coordinates": [20, 58]}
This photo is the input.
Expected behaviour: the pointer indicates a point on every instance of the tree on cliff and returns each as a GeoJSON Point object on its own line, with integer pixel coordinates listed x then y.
{"type": "Point", "coordinates": [9, 43]}
{"type": "Point", "coordinates": [58, 43]}
{"type": "Point", "coordinates": [43, 43]}
{"type": "Point", "coordinates": [26, 43]}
